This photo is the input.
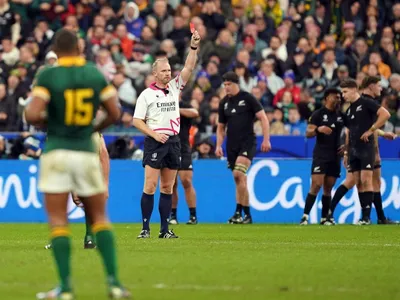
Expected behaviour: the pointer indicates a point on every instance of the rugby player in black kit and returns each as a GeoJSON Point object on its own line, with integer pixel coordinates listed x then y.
{"type": "Point", "coordinates": [371, 89]}
{"type": "Point", "coordinates": [236, 115]}
{"type": "Point", "coordinates": [362, 118]}
{"type": "Point", "coordinates": [185, 172]}
{"type": "Point", "coordinates": [326, 124]}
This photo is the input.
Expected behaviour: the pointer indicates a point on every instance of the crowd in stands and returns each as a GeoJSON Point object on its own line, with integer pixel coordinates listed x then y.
{"type": "Point", "coordinates": [286, 52]}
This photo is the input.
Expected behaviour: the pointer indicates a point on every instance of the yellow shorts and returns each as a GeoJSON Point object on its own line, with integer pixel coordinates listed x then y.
{"type": "Point", "coordinates": [63, 171]}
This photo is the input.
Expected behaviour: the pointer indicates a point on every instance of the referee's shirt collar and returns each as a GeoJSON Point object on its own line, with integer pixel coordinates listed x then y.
{"type": "Point", "coordinates": [154, 87]}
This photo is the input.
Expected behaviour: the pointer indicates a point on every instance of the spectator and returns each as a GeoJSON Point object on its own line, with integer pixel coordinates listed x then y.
{"type": "Point", "coordinates": [276, 48]}
{"type": "Point", "coordinates": [126, 91]}
{"type": "Point", "coordinates": [376, 59]}
{"type": "Point", "coordinates": [204, 150]}
{"type": "Point", "coordinates": [289, 79]}
{"type": "Point", "coordinates": [268, 75]}
{"type": "Point", "coordinates": [277, 127]}
{"type": "Point", "coordinates": [246, 82]}
{"type": "Point", "coordinates": [357, 57]}
{"type": "Point", "coordinates": [315, 83]}
{"type": "Point", "coordinates": [7, 111]}
{"type": "Point", "coordinates": [105, 64]}
{"type": "Point", "coordinates": [133, 22]}
{"type": "Point", "coordinates": [10, 53]}
{"type": "Point", "coordinates": [295, 125]}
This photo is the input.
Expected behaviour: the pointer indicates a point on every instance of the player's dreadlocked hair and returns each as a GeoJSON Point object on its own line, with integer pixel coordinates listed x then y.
{"type": "Point", "coordinates": [349, 83]}
{"type": "Point", "coordinates": [368, 80]}
{"type": "Point", "coordinates": [65, 42]}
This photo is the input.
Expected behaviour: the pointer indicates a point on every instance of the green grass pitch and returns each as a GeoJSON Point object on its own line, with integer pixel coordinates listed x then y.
{"type": "Point", "coordinates": [210, 262]}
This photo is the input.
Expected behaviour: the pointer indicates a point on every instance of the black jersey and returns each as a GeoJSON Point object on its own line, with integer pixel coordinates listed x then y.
{"type": "Point", "coordinates": [360, 117]}
{"type": "Point", "coordinates": [238, 113]}
{"type": "Point", "coordinates": [327, 146]}
{"type": "Point", "coordinates": [186, 123]}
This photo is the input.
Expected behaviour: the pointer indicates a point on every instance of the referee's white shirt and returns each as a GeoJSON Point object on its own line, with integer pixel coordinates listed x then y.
{"type": "Point", "coordinates": [159, 109]}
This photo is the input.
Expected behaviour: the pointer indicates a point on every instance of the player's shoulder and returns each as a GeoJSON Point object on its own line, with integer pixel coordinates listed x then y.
{"type": "Point", "coordinates": [223, 101]}
{"type": "Point", "coordinates": [90, 68]}
{"type": "Point", "coordinates": [318, 111]}
{"type": "Point", "coordinates": [246, 95]}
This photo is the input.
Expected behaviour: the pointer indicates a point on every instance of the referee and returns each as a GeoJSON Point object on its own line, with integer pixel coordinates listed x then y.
{"type": "Point", "coordinates": [236, 115]}
{"type": "Point", "coordinates": [363, 117]}
{"type": "Point", "coordinates": [157, 116]}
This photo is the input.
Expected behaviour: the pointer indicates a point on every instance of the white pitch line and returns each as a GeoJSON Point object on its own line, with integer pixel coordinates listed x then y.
{"type": "Point", "coordinates": [227, 288]}
{"type": "Point", "coordinates": [355, 244]}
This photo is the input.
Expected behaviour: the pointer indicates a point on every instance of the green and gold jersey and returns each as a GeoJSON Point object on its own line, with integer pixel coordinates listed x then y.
{"type": "Point", "coordinates": [73, 90]}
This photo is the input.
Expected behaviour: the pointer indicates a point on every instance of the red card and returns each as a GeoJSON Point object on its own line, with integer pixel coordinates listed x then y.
{"type": "Point", "coordinates": [192, 29]}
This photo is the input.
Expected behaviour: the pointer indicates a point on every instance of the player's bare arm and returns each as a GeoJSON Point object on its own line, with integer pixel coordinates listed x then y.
{"type": "Point", "coordinates": [35, 112]}
{"type": "Point", "coordinates": [383, 116]}
{"type": "Point", "coordinates": [346, 147]}
{"type": "Point", "coordinates": [313, 129]}
{"type": "Point", "coordinates": [110, 104]}
{"type": "Point", "coordinates": [189, 112]}
{"type": "Point", "coordinates": [191, 59]}
{"type": "Point", "coordinates": [266, 144]}
{"type": "Point", "coordinates": [105, 163]}
{"type": "Point", "coordinates": [386, 135]}
{"type": "Point", "coordinates": [220, 139]}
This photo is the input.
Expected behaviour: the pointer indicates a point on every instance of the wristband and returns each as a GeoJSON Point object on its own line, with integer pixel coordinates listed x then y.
{"type": "Point", "coordinates": [193, 48]}
{"type": "Point", "coordinates": [316, 130]}
{"type": "Point", "coordinates": [381, 132]}
{"type": "Point", "coordinates": [373, 128]}
{"type": "Point", "coordinates": [345, 153]}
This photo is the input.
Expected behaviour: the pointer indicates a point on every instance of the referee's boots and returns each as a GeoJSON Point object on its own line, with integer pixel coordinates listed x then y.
{"type": "Point", "coordinates": [363, 222]}
{"type": "Point", "coordinates": [167, 235]}
{"type": "Point", "coordinates": [247, 219]}
{"type": "Point", "coordinates": [236, 219]}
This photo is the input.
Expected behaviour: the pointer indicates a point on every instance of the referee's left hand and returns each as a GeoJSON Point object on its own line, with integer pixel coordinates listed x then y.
{"type": "Point", "coordinates": [195, 39]}
{"type": "Point", "coordinates": [366, 135]}
{"type": "Point", "coordinates": [266, 146]}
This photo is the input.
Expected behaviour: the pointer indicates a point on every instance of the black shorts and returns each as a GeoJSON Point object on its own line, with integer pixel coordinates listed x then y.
{"type": "Point", "coordinates": [158, 155]}
{"type": "Point", "coordinates": [186, 162]}
{"type": "Point", "coordinates": [361, 159]}
{"type": "Point", "coordinates": [329, 168]}
{"type": "Point", "coordinates": [246, 149]}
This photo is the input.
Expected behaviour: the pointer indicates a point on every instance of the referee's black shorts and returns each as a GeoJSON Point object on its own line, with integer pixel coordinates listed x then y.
{"type": "Point", "coordinates": [247, 148]}
{"type": "Point", "coordinates": [158, 155]}
{"type": "Point", "coordinates": [361, 159]}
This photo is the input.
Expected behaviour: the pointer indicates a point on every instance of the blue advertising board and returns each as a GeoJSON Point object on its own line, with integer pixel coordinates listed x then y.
{"type": "Point", "coordinates": [282, 146]}
{"type": "Point", "coordinates": [278, 189]}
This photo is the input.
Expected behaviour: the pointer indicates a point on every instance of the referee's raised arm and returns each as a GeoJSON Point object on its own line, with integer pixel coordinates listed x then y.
{"type": "Point", "coordinates": [171, 88]}
{"type": "Point", "coordinates": [191, 59]}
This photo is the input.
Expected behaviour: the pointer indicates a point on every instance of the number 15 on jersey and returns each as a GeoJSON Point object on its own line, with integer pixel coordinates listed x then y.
{"type": "Point", "coordinates": [77, 111]}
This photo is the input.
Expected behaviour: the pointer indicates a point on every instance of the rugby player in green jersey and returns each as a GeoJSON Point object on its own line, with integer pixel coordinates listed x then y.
{"type": "Point", "coordinates": [66, 99]}
{"type": "Point", "coordinates": [101, 149]}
